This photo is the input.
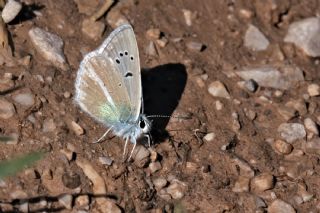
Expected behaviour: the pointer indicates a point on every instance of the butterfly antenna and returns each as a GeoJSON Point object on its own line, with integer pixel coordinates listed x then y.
{"type": "Point", "coordinates": [168, 116]}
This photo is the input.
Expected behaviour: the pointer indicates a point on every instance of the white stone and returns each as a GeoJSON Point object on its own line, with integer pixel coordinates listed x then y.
{"type": "Point", "coordinates": [209, 137]}
{"type": "Point", "coordinates": [255, 40]}
{"type": "Point", "coordinates": [305, 35]}
{"type": "Point", "coordinates": [217, 89]}
{"type": "Point", "coordinates": [282, 77]}
{"type": "Point", "coordinates": [176, 190]}
{"type": "Point", "coordinates": [77, 128]}
{"type": "Point", "coordinates": [155, 166]}
{"type": "Point", "coordinates": [93, 29]}
{"type": "Point", "coordinates": [11, 10]}
{"type": "Point", "coordinates": [311, 126]}
{"type": "Point", "coordinates": [25, 99]}
{"type": "Point", "coordinates": [50, 46]}
{"type": "Point", "coordinates": [6, 109]}
{"type": "Point", "coordinates": [105, 160]}
{"type": "Point", "coordinates": [314, 90]}
{"type": "Point", "coordinates": [159, 183]}
{"type": "Point", "coordinates": [66, 201]}
{"type": "Point", "coordinates": [291, 131]}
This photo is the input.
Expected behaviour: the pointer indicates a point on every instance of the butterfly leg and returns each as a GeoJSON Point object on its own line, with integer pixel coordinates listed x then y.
{"type": "Point", "coordinates": [149, 139]}
{"type": "Point", "coordinates": [134, 146]}
{"type": "Point", "coordinates": [103, 136]}
{"type": "Point", "coordinates": [125, 146]}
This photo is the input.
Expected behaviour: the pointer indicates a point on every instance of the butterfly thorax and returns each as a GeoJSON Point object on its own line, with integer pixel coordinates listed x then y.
{"type": "Point", "coordinates": [132, 130]}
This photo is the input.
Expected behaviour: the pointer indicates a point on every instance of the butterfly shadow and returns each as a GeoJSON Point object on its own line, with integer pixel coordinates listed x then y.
{"type": "Point", "coordinates": [162, 90]}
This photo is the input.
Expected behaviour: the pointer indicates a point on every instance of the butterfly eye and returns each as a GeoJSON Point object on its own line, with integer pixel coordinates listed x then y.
{"type": "Point", "coordinates": [142, 124]}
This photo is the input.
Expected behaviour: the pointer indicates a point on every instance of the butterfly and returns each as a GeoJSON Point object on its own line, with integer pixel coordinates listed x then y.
{"type": "Point", "coordinates": [108, 87]}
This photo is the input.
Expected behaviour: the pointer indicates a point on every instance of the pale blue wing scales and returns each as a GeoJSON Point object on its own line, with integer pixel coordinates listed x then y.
{"type": "Point", "coordinates": [121, 47]}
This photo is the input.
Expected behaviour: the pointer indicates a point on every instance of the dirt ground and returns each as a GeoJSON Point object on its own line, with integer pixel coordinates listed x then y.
{"type": "Point", "coordinates": [198, 174]}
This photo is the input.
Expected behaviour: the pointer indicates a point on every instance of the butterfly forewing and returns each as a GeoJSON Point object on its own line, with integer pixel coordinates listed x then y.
{"type": "Point", "coordinates": [108, 85]}
{"type": "Point", "coordinates": [123, 50]}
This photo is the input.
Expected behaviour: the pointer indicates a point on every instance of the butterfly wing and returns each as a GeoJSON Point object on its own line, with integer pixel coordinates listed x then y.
{"type": "Point", "coordinates": [122, 48]}
{"type": "Point", "coordinates": [102, 88]}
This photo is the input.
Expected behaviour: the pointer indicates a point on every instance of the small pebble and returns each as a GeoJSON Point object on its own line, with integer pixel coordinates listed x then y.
{"type": "Point", "coordinates": [219, 105]}
{"type": "Point", "coordinates": [262, 182]}
{"type": "Point", "coordinates": [49, 125]}
{"type": "Point", "coordinates": [291, 132]}
{"type": "Point", "coordinates": [24, 207]}
{"type": "Point", "coordinates": [191, 166]}
{"type": "Point", "coordinates": [245, 13]}
{"type": "Point", "coordinates": [162, 42]}
{"type": "Point", "coordinates": [311, 126]}
{"type": "Point", "coordinates": [303, 193]}
{"type": "Point", "coordinates": [93, 29]}
{"type": "Point", "coordinates": [151, 49]}
{"type": "Point", "coordinates": [241, 185]}
{"type": "Point", "coordinates": [153, 155]}
{"type": "Point", "coordinates": [298, 105]}
{"type": "Point", "coordinates": [153, 34]}
{"type": "Point", "coordinates": [11, 10]}
{"type": "Point", "coordinates": [245, 168]}
{"type": "Point", "coordinates": [7, 109]}
{"type": "Point", "coordinates": [287, 112]}
{"type": "Point", "coordinates": [314, 90]}
{"type": "Point", "coordinates": [282, 77]}
{"type": "Point", "coordinates": [304, 34]}
{"type": "Point", "coordinates": [105, 161]}
{"type": "Point", "coordinates": [6, 84]}
{"type": "Point", "coordinates": [283, 147]}
{"type": "Point", "coordinates": [66, 201]}
{"type": "Point", "coordinates": [217, 89]}
{"type": "Point", "coordinates": [195, 46]}
{"type": "Point", "coordinates": [255, 40]}
{"type": "Point", "coordinates": [141, 156]}
{"type": "Point", "coordinates": [209, 137]}
{"type": "Point", "coordinates": [25, 99]}
{"type": "Point", "coordinates": [176, 190]}
{"type": "Point", "coordinates": [67, 94]}
{"type": "Point", "coordinates": [297, 199]}
{"type": "Point", "coordinates": [188, 16]}
{"type": "Point", "coordinates": [50, 47]}
{"type": "Point", "coordinates": [155, 166]}
{"type": "Point", "coordinates": [78, 130]}
{"type": "Point", "coordinates": [115, 18]}
{"type": "Point", "coordinates": [279, 206]}
{"type": "Point", "coordinates": [250, 114]}
{"type": "Point", "coordinates": [82, 201]}
{"type": "Point", "coordinates": [159, 183]}
{"type": "Point", "coordinates": [313, 146]}
{"type": "Point", "coordinates": [251, 85]}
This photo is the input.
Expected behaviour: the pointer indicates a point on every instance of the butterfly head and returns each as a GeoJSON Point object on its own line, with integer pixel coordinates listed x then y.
{"type": "Point", "coordinates": [144, 124]}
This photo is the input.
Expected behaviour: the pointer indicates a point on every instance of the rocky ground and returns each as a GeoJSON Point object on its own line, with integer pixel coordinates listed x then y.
{"type": "Point", "coordinates": [241, 78]}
